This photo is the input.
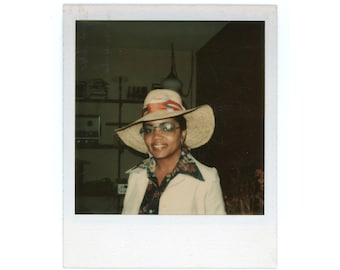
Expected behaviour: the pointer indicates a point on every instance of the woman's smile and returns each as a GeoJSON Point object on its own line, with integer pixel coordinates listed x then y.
{"type": "Point", "coordinates": [159, 146]}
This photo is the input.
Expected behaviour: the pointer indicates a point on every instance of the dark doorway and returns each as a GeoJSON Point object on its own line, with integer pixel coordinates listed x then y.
{"type": "Point", "coordinates": [230, 77]}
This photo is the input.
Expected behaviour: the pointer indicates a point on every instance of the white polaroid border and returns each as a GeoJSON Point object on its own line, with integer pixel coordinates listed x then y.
{"type": "Point", "coordinates": [116, 241]}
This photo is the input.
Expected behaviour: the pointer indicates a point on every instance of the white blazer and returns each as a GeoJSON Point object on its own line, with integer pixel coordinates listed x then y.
{"type": "Point", "coordinates": [184, 195]}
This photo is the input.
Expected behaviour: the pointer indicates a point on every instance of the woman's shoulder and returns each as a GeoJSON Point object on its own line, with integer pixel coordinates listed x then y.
{"type": "Point", "coordinates": [136, 170]}
{"type": "Point", "coordinates": [141, 166]}
{"type": "Point", "coordinates": [207, 171]}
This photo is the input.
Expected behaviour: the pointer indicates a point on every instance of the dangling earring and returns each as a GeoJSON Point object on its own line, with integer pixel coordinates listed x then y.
{"type": "Point", "coordinates": [183, 146]}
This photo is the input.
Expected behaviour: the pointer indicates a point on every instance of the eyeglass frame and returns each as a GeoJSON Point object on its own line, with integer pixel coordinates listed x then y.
{"type": "Point", "coordinates": [161, 130]}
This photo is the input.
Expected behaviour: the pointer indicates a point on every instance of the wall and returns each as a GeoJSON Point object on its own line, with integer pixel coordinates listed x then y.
{"type": "Point", "coordinates": [230, 77]}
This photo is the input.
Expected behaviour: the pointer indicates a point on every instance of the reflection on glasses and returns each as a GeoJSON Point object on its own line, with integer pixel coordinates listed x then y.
{"type": "Point", "coordinates": [165, 127]}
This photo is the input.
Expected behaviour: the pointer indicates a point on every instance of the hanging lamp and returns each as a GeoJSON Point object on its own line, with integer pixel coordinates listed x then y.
{"type": "Point", "coordinates": [171, 81]}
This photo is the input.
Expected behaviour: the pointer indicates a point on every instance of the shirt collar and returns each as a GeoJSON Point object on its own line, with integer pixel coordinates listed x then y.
{"type": "Point", "coordinates": [185, 165]}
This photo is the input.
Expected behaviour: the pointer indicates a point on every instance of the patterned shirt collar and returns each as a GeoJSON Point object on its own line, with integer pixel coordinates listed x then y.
{"type": "Point", "coordinates": [185, 165]}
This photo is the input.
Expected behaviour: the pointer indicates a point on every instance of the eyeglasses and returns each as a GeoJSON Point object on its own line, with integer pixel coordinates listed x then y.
{"type": "Point", "coordinates": [165, 127]}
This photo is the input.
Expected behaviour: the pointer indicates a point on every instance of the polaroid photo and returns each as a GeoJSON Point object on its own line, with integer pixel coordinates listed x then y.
{"type": "Point", "coordinates": [223, 56]}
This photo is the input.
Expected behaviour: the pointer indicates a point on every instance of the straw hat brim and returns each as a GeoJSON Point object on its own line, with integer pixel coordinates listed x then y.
{"type": "Point", "coordinates": [200, 127]}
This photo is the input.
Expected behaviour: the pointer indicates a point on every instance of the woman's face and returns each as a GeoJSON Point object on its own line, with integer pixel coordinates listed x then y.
{"type": "Point", "coordinates": [164, 138]}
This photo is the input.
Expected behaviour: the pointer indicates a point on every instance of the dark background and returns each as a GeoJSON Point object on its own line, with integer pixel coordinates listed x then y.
{"type": "Point", "coordinates": [230, 77]}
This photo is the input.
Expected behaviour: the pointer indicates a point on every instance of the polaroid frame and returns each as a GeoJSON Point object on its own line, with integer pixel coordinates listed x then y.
{"type": "Point", "coordinates": [116, 241]}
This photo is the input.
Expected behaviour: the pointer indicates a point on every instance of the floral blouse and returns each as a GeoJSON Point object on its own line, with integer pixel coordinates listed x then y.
{"type": "Point", "coordinates": [153, 193]}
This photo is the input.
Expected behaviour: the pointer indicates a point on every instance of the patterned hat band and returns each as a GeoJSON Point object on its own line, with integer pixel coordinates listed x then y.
{"type": "Point", "coordinates": [162, 105]}
{"type": "Point", "coordinates": [165, 103]}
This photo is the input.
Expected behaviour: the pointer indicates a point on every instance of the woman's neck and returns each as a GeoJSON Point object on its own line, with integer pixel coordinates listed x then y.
{"type": "Point", "coordinates": [165, 166]}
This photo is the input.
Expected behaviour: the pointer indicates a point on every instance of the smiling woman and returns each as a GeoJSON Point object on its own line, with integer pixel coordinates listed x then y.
{"type": "Point", "coordinates": [171, 180]}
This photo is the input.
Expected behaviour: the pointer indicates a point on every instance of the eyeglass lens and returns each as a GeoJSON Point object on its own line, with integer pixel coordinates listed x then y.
{"type": "Point", "coordinates": [163, 127]}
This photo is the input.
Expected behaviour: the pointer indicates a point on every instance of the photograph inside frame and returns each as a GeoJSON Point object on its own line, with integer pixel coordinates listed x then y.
{"type": "Point", "coordinates": [133, 79]}
{"type": "Point", "coordinates": [220, 63]}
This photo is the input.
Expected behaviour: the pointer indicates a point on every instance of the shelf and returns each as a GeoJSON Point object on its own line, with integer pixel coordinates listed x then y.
{"type": "Point", "coordinates": [97, 100]}
{"type": "Point", "coordinates": [116, 124]}
{"type": "Point", "coordinates": [96, 146]}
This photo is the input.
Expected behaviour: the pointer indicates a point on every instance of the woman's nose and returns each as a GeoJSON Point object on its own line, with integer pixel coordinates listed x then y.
{"type": "Point", "coordinates": [157, 132]}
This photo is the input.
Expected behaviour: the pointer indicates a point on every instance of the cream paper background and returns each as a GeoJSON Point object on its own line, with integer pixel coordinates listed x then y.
{"type": "Point", "coordinates": [171, 241]}
{"type": "Point", "coordinates": [32, 155]}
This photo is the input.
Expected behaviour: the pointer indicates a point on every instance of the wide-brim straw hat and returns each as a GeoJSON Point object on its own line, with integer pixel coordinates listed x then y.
{"type": "Point", "coordinates": [161, 104]}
